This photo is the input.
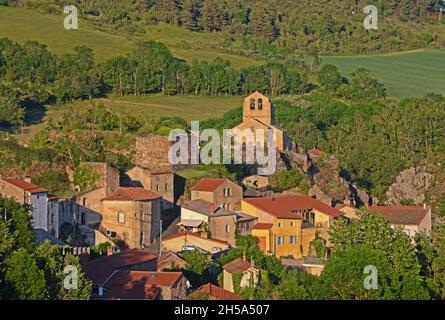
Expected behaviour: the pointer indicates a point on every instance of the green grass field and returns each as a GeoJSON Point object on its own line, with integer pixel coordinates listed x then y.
{"type": "Point", "coordinates": [187, 107]}
{"type": "Point", "coordinates": [22, 24]}
{"type": "Point", "coordinates": [147, 107]}
{"type": "Point", "coordinates": [404, 75]}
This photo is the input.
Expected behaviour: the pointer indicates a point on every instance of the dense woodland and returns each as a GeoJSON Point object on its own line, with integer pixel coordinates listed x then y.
{"type": "Point", "coordinates": [277, 27]}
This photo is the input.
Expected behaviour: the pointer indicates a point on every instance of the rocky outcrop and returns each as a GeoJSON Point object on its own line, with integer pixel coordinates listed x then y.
{"type": "Point", "coordinates": [411, 186]}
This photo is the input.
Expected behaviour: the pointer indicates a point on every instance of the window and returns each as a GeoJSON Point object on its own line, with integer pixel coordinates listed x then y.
{"type": "Point", "coordinates": [280, 240]}
{"type": "Point", "coordinates": [292, 239]}
{"type": "Point", "coordinates": [157, 187]}
{"type": "Point", "coordinates": [260, 104]}
{"type": "Point", "coordinates": [252, 104]}
{"type": "Point", "coordinates": [166, 187]}
{"type": "Point", "coordinates": [121, 217]}
{"type": "Point", "coordinates": [280, 224]}
{"type": "Point", "coordinates": [229, 192]}
{"type": "Point", "coordinates": [82, 218]}
{"type": "Point", "coordinates": [291, 223]}
{"type": "Point", "coordinates": [227, 228]}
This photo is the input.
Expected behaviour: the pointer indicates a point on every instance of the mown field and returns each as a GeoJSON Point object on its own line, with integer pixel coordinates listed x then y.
{"type": "Point", "coordinates": [20, 25]}
{"type": "Point", "coordinates": [404, 75]}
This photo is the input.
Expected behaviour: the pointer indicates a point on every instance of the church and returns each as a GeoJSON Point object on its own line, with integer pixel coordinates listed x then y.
{"type": "Point", "coordinates": [258, 113]}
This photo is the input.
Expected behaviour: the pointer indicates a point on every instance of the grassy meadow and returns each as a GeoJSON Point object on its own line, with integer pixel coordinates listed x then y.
{"type": "Point", "coordinates": [409, 74]}
{"type": "Point", "coordinates": [21, 24]}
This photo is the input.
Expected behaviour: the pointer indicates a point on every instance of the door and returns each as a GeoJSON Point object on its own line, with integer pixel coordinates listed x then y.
{"type": "Point", "coordinates": [262, 244]}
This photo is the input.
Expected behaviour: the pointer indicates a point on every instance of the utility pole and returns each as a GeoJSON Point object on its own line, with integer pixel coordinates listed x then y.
{"type": "Point", "coordinates": [160, 237]}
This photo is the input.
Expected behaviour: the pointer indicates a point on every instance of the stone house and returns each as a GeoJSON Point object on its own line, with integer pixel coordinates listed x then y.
{"type": "Point", "coordinates": [48, 213]}
{"type": "Point", "coordinates": [249, 275]}
{"type": "Point", "coordinates": [206, 218]}
{"type": "Point", "coordinates": [412, 219]}
{"type": "Point", "coordinates": [132, 215]}
{"type": "Point", "coordinates": [90, 202]}
{"type": "Point", "coordinates": [221, 192]}
{"type": "Point", "coordinates": [162, 182]}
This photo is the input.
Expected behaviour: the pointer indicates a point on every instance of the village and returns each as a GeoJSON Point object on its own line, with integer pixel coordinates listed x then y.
{"type": "Point", "coordinates": [147, 228]}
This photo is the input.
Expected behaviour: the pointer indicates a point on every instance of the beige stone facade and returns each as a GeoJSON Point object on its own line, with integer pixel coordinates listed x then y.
{"type": "Point", "coordinates": [221, 192]}
{"type": "Point", "coordinates": [136, 220]}
{"type": "Point", "coordinates": [159, 182]}
{"type": "Point", "coordinates": [259, 113]}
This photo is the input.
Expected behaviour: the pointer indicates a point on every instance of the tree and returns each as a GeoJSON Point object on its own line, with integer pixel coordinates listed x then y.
{"type": "Point", "coordinates": [329, 77]}
{"type": "Point", "coordinates": [379, 242]}
{"type": "Point", "coordinates": [363, 86]}
{"type": "Point", "coordinates": [77, 76]}
{"type": "Point", "coordinates": [197, 262]}
{"type": "Point", "coordinates": [11, 114]}
{"type": "Point", "coordinates": [262, 24]}
{"type": "Point", "coordinates": [26, 281]}
{"type": "Point", "coordinates": [431, 253]}
{"type": "Point", "coordinates": [191, 15]}
{"type": "Point", "coordinates": [288, 179]}
{"type": "Point", "coordinates": [53, 262]}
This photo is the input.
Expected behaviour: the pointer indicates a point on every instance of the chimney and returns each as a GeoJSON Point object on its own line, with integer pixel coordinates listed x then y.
{"type": "Point", "coordinates": [424, 206]}
{"type": "Point", "coordinates": [28, 179]}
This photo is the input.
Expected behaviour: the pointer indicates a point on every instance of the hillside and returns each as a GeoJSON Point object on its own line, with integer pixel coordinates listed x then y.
{"type": "Point", "coordinates": [106, 43]}
{"type": "Point", "coordinates": [421, 70]}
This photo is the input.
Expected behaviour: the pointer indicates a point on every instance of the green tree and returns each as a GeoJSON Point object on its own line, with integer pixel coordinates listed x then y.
{"type": "Point", "coordinates": [197, 262]}
{"type": "Point", "coordinates": [288, 179]}
{"type": "Point", "coordinates": [24, 278]}
{"type": "Point", "coordinates": [329, 77]}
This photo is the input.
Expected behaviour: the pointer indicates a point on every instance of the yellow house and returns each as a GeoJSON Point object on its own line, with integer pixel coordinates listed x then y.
{"type": "Point", "coordinates": [287, 224]}
{"type": "Point", "coordinates": [258, 113]}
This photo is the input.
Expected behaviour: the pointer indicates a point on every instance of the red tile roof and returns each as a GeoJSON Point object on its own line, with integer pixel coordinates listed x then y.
{"type": "Point", "coordinates": [283, 206]}
{"type": "Point", "coordinates": [131, 292]}
{"type": "Point", "coordinates": [101, 269]}
{"type": "Point", "coordinates": [169, 258]}
{"type": "Point", "coordinates": [402, 215]}
{"type": "Point", "coordinates": [26, 186]}
{"type": "Point", "coordinates": [146, 278]}
{"type": "Point", "coordinates": [132, 194]}
{"type": "Point", "coordinates": [217, 292]}
{"type": "Point", "coordinates": [314, 152]}
{"type": "Point", "coordinates": [191, 234]}
{"type": "Point", "coordinates": [263, 226]}
{"type": "Point", "coordinates": [237, 265]}
{"type": "Point", "coordinates": [208, 184]}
